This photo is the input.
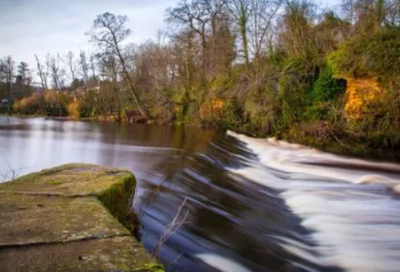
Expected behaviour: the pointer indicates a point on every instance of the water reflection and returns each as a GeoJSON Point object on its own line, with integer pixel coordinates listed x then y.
{"type": "Point", "coordinates": [32, 144]}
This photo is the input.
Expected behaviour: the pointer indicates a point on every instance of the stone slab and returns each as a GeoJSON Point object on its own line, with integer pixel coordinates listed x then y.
{"type": "Point", "coordinates": [72, 218]}
{"type": "Point", "coordinates": [40, 219]}
{"type": "Point", "coordinates": [68, 180]}
{"type": "Point", "coordinates": [119, 254]}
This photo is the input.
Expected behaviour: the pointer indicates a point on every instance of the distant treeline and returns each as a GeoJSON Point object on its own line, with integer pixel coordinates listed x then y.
{"type": "Point", "coordinates": [282, 68]}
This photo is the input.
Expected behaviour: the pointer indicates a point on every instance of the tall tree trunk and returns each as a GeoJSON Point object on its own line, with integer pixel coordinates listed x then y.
{"type": "Point", "coordinates": [132, 88]}
{"type": "Point", "coordinates": [128, 77]}
{"type": "Point", "coordinates": [243, 33]}
{"type": "Point", "coordinates": [41, 74]}
{"type": "Point", "coordinates": [205, 56]}
{"type": "Point", "coordinates": [379, 12]}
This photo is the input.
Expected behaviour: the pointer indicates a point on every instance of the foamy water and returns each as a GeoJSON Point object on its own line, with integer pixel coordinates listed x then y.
{"type": "Point", "coordinates": [222, 264]}
{"type": "Point", "coordinates": [350, 206]}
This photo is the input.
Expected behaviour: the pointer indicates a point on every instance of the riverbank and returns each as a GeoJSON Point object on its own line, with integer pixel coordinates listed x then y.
{"type": "Point", "coordinates": [94, 119]}
{"type": "Point", "coordinates": [76, 217]}
{"type": "Point", "coordinates": [321, 136]}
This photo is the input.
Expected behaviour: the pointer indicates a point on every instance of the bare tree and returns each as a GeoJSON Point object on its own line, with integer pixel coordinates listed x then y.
{"type": "Point", "coordinates": [108, 32]}
{"type": "Point", "coordinates": [41, 74]}
{"type": "Point", "coordinates": [194, 15]}
{"type": "Point", "coordinates": [216, 10]}
{"type": "Point", "coordinates": [84, 66]}
{"type": "Point", "coordinates": [57, 73]}
{"type": "Point", "coordinates": [73, 70]}
{"type": "Point", "coordinates": [220, 34]}
{"type": "Point", "coordinates": [263, 13]}
{"type": "Point", "coordinates": [43, 80]}
{"type": "Point", "coordinates": [241, 11]}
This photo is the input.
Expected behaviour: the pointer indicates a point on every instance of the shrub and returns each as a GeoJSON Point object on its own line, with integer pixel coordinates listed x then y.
{"type": "Point", "coordinates": [28, 105]}
{"type": "Point", "coordinates": [376, 55]}
{"type": "Point", "coordinates": [73, 109]}
{"type": "Point", "coordinates": [325, 91]}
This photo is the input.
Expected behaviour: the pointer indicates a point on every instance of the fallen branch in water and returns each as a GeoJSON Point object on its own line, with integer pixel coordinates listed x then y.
{"type": "Point", "coordinates": [11, 170]}
{"type": "Point", "coordinates": [170, 230]}
{"type": "Point", "coordinates": [10, 174]}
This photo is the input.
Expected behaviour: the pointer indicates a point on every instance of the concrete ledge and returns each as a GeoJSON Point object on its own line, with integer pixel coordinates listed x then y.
{"type": "Point", "coordinates": [71, 218]}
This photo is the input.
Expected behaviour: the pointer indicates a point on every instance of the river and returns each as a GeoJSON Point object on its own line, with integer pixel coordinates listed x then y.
{"type": "Point", "coordinates": [221, 201]}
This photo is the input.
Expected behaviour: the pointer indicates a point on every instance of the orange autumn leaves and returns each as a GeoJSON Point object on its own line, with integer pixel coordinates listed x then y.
{"type": "Point", "coordinates": [360, 93]}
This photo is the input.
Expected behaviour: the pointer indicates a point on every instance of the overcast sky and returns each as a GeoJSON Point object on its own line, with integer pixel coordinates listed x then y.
{"type": "Point", "coordinates": [29, 27]}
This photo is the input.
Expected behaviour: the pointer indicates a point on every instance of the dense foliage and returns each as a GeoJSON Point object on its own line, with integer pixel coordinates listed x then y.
{"type": "Point", "coordinates": [269, 67]}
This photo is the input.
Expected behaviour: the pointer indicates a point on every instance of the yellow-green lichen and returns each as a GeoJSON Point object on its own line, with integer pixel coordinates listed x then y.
{"type": "Point", "coordinates": [153, 267]}
{"type": "Point", "coordinates": [53, 182]}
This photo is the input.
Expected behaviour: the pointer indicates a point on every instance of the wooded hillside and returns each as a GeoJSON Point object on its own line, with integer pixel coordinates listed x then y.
{"type": "Point", "coordinates": [283, 68]}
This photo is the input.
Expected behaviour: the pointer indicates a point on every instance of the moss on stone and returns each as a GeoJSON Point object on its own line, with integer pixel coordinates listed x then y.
{"type": "Point", "coordinates": [154, 267]}
{"type": "Point", "coordinates": [118, 200]}
{"type": "Point", "coordinates": [53, 182]}
{"type": "Point", "coordinates": [73, 180]}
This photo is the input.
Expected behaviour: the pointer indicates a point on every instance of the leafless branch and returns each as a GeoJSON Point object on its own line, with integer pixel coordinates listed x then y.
{"type": "Point", "coordinates": [172, 228]}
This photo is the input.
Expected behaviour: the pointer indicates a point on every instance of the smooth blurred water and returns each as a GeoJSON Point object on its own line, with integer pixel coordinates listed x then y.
{"type": "Point", "coordinates": [249, 204]}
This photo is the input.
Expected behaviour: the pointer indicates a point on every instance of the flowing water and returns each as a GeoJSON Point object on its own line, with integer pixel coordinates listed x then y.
{"type": "Point", "coordinates": [220, 201]}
